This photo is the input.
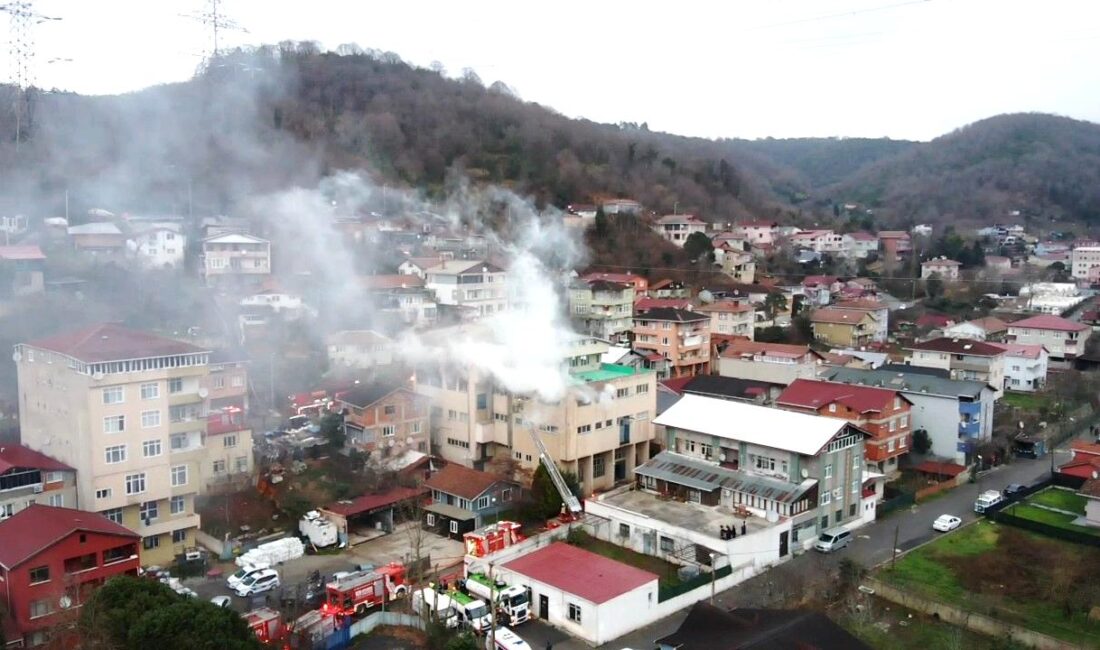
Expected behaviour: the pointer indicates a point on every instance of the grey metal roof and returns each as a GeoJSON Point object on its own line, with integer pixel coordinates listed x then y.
{"type": "Point", "coordinates": [906, 382]}
{"type": "Point", "coordinates": [700, 475]}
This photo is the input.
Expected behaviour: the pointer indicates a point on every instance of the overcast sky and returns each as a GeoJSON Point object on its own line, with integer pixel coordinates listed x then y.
{"type": "Point", "coordinates": [782, 68]}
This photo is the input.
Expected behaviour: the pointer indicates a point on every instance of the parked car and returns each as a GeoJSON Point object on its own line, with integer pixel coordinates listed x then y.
{"type": "Point", "coordinates": [945, 523]}
{"type": "Point", "coordinates": [833, 539]}
{"type": "Point", "coordinates": [1012, 489]}
{"type": "Point", "coordinates": [221, 601]}
{"type": "Point", "coordinates": [242, 573]}
{"type": "Point", "coordinates": [259, 582]}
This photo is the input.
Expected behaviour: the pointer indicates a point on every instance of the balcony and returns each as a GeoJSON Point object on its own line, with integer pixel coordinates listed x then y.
{"type": "Point", "coordinates": [179, 399]}
{"type": "Point", "coordinates": [692, 341]}
{"type": "Point", "coordinates": [187, 425]}
{"type": "Point", "coordinates": [166, 523]}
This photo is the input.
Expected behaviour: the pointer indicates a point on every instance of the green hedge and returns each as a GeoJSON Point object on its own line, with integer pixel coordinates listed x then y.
{"type": "Point", "coordinates": [664, 593]}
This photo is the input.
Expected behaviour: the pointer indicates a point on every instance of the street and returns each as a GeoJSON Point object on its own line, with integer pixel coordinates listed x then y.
{"type": "Point", "coordinates": [873, 545]}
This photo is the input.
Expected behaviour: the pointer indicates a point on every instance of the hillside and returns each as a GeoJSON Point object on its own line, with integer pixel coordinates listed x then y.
{"type": "Point", "coordinates": [1044, 166]}
{"type": "Point", "coordinates": [824, 161]}
{"type": "Point", "coordinates": [278, 116]}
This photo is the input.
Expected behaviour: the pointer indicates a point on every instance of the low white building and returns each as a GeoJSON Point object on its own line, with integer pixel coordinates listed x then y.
{"type": "Point", "coordinates": [159, 246]}
{"type": "Point", "coordinates": [280, 303]}
{"type": "Point", "coordinates": [1025, 366]}
{"type": "Point", "coordinates": [947, 270]}
{"type": "Point", "coordinates": [859, 244]}
{"type": "Point", "coordinates": [584, 594]}
{"type": "Point", "coordinates": [676, 228]}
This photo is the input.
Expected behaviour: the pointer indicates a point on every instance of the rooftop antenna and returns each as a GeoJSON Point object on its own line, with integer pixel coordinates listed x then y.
{"type": "Point", "coordinates": [217, 21]}
{"type": "Point", "coordinates": [20, 58]}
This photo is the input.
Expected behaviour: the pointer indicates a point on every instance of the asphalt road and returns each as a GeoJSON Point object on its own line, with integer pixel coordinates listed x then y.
{"type": "Point", "coordinates": [873, 545]}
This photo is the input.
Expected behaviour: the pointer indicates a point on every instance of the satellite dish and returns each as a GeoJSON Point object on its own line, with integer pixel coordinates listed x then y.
{"type": "Point", "coordinates": [390, 443]}
{"type": "Point", "coordinates": [65, 602]}
{"type": "Point", "coordinates": [16, 356]}
{"type": "Point", "coordinates": [1095, 474]}
{"type": "Point", "coordinates": [203, 392]}
{"type": "Point", "coordinates": [722, 457]}
{"type": "Point", "coordinates": [805, 473]}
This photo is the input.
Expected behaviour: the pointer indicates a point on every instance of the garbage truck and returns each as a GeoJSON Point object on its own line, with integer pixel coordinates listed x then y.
{"type": "Point", "coordinates": [512, 603]}
{"type": "Point", "coordinates": [472, 612]}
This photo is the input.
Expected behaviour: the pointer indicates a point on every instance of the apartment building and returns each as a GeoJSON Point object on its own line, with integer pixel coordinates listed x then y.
{"type": "Point", "coordinates": [819, 241]}
{"type": "Point", "coordinates": [235, 257]}
{"type": "Point", "coordinates": [731, 317]}
{"type": "Point", "coordinates": [882, 413]}
{"type": "Point", "coordinates": [1082, 260]}
{"type": "Point", "coordinates": [359, 349]}
{"type": "Point", "coordinates": [1025, 366]}
{"type": "Point", "coordinates": [603, 309]}
{"type": "Point", "coordinates": [639, 282]}
{"type": "Point", "coordinates": [676, 228]}
{"type": "Point", "coordinates": [28, 477]}
{"type": "Point", "coordinates": [877, 309]}
{"type": "Point", "coordinates": [385, 419]}
{"type": "Point", "coordinates": [941, 267]}
{"type": "Point", "coordinates": [127, 410]}
{"type": "Point", "coordinates": [844, 327]}
{"type": "Point", "coordinates": [740, 266]}
{"type": "Point", "coordinates": [1064, 339]}
{"type": "Point", "coordinates": [600, 430]}
{"type": "Point", "coordinates": [479, 286]}
{"type": "Point", "coordinates": [859, 244]}
{"type": "Point", "coordinates": [776, 363]}
{"type": "Point", "coordinates": [226, 384]}
{"type": "Point", "coordinates": [160, 245]}
{"type": "Point", "coordinates": [963, 359]}
{"type": "Point", "coordinates": [756, 232]}
{"type": "Point", "coordinates": [772, 462]}
{"type": "Point", "coordinates": [679, 335]}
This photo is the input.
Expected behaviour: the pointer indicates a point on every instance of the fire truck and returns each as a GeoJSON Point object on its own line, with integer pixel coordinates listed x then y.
{"type": "Point", "coordinates": [360, 591]}
{"type": "Point", "coordinates": [266, 624]}
{"type": "Point", "coordinates": [490, 539]}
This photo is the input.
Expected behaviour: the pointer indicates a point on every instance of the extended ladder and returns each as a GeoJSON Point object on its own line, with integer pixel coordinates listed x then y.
{"type": "Point", "coordinates": [567, 496]}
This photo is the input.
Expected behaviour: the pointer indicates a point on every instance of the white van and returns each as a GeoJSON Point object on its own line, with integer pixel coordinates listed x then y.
{"type": "Point", "coordinates": [504, 639]}
{"type": "Point", "coordinates": [833, 539]}
{"type": "Point", "coordinates": [428, 602]}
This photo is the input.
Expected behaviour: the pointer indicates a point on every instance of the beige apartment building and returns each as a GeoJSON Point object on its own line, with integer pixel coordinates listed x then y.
{"type": "Point", "coordinates": [600, 430]}
{"type": "Point", "coordinates": [603, 309]}
{"type": "Point", "coordinates": [478, 286]}
{"type": "Point", "coordinates": [731, 318]}
{"type": "Point", "coordinates": [235, 257]}
{"type": "Point", "coordinates": [679, 335]}
{"type": "Point", "coordinates": [128, 411]}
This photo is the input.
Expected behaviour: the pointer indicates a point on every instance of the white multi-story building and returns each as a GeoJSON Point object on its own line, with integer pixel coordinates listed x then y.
{"type": "Point", "coordinates": [819, 241]}
{"type": "Point", "coordinates": [1064, 339]}
{"type": "Point", "coordinates": [946, 269]}
{"type": "Point", "coordinates": [1025, 366]}
{"type": "Point", "coordinates": [235, 256]}
{"type": "Point", "coordinates": [604, 309]}
{"type": "Point", "coordinates": [731, 317]}
{"type": "Point", "coordinates": [676, 228]}
{"type": "Point", "coordinates": [1082, 260]}
{"type": "Point", "coordinates": [860, 244]}
{"type": "Point", "coordinates": [964, 359]}
{"type": "Point", "coordinates": [359, 349]}
{"type": "Point", "coordinates": [756, 232]}
{"type": "Point", "coordinates": [477, 285]}
{"type": "Point", "coordinates": [161, 245]}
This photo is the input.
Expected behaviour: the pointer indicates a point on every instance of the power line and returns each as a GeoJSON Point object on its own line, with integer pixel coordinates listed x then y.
{"type": "Point", "coordinates": [217, 21]}
{"type": "Point", "coordinates": [21, 52]}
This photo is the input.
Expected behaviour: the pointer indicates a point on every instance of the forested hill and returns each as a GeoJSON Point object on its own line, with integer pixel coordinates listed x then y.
{"type": "Point", "coordinates": [824, 161]}
{"type": "Point", "coordinates": [283, 114]}
{"type": "Point", "coordinates": [1044, 166]}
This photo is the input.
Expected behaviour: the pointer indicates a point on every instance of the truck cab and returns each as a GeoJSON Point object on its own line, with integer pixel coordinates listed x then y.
{"type": "Point", "coordinates": [472, 612]}
{"type": "Point", "coordinates": [432, 605]}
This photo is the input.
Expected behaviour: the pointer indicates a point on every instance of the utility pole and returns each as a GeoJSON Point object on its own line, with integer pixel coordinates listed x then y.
{"type": "Point", "coordinates": [894, 557]}
{"type": "Point", "coordinates": [492, 611]}
{"type": "Point", "coordinates": [20, 57]}
{"type": "Point", "coordinates": [213, 18]}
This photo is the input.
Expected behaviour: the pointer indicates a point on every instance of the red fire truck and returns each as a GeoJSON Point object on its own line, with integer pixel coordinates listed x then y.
{"type": "Point", "coordinates": [360, 591]}
{"type": "Point", "coordinates": [266, 624]}
{"type": "Point", "coordinates": [490, 539]}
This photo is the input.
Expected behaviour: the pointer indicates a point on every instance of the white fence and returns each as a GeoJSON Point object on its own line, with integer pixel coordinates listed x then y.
{"type": "Point", "coordinates": [367, 625]}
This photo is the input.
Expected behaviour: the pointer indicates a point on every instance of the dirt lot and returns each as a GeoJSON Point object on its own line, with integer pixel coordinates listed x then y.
{"type": "Point", "coordinates": [392, 638]}
{"type": "Point", "coordinates": [228, 512]}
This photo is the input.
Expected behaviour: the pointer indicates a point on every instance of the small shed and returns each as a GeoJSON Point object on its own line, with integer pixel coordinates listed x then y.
{"type": "Point", "coordinates": [356, 518]}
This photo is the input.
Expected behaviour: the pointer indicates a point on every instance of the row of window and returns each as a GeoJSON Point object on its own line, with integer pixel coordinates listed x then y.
{"type": "Point", "coordinates": [8, 509]}
{"type": "Point", "coordinates": [149, 511]}
{"type": "Point", "coordinates": [838, 493]}
{"type": "Point", "coordinates": [141, 365]}
{"type": "Point", "coordinates": [135, 483]}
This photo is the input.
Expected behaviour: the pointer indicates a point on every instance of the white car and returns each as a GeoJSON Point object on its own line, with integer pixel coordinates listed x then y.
{"type": "Point", "coordinates": [945, 523]}
{"type": "Point", "coordinates": [258, 582]}
{"type": "Point", "coordinates": [221, 601]}
{"type": "Point", "coordinates": [242, 573]}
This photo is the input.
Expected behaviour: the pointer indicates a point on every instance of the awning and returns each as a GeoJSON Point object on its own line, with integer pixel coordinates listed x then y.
{"type": "Point", "coordinates": [700, 475]}
{"type": "Point", "coordinates": [450, 512]}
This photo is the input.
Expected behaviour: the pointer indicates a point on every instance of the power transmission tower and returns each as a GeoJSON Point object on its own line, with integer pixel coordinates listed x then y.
{"type": "Point", "coordinates": [217, 21]}
{"type": "Point", "coordinates": [21, 59]}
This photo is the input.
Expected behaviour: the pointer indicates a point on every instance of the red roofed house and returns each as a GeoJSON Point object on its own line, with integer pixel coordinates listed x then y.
{"type": "Point", "coordinates": [464, 499]}
{"type": "Point", "coordinates": [877, 309]}
{"type": "Point", "coordinates": [369, 512]}
{"type": "Point", "coordinates": [777, 363]}
{"type": "Point", "coordinates": [1064, 339]}
{"type": "Point", "coordinates": [27, 477]}
{"type": "Point", "coordinates": [679, 335]}
{"type": "Point", "coordinates": [640, 284]}
{"type": "Point", "coordinates": [51, 560]}
{"type": "Point", "coordinates": [883, 413]}
{"type": "Point", "coordinates": [731, 317]}
{"type": "Point", "coordinates": [843, 327]}
{"type": "Point", "coordinates": [964, 358]}
{"type": "Point", "coordinates": [894, 242]}
{"type": "Point", "coordinates": [1085, 461]}
{"type": "Point", "coordinates": [1025, 366]}
{"type": "Point", "coordinates": [756, 232]}
{"type": "Point", "coordinates": [385, 418]}
{"type": "Point", "coordinates": [945, 269]}
{"type": "Point", "coordinates": [585, 594]}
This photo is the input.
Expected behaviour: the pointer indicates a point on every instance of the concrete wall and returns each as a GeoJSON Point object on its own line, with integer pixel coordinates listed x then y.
{"type": "Point", "coordinates": [969, 620]}
{"type": "Point", "coordinates": [778, 373]}
{"type": "Point", "coordinates": [940, 417]}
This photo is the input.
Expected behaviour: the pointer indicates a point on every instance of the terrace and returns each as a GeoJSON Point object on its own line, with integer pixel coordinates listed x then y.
{"type": "Point", "coordinates": [705, 520]}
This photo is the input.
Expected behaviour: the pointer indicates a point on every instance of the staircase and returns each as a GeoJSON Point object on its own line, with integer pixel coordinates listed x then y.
{"type": "Point", "coordinates": [567, 496]}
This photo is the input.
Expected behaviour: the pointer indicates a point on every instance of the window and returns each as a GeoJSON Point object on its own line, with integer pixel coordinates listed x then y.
{"type": "Point", "coordinates": [40, 608]}
{"type": "Point", "coordinates": [103, 494]}
{"type": "Point", "coordinates": [482, 503]}
{"type": "Point", "coordinates": [229, 441]}
{"type": "Point", "coordinates": [219, 381]}
{"type": "Point", "coordinates": [148, 510]}
{"type": "Point", "coordinates": [852, 510]}
{"type": "Point", "coordinates": [454, 527]}
{"type": "Point", "coordinates": [114, 454]}
{"type": "Point", "coordinates": [416, 427]}
{"type": "Point", "coordinates": [506, 494]}
{"type": "Point", "coordinates": [889, 445]}
{"type": "Point", "coordinates": [150, 419]}
{"type": "Point", "coordinates": [389, 431]}
{"type": "Point", "coordinates": [901, 442]}
{"type": "Point", "coordinates": [179, 536]}
{"type": "Point", "coordinates": [176, 505]}
{"type": "Point", "coordinates": [179, 475]}
{"type": "Point", "coordinates": [855, 462]}
{"type": "Point", "coordinates": [641, 389]}
{"type": "Point", "coordinates": [150, 391]}
{"type": "Point", "coordinates": [826, 497]}
{"type": "Point", "coordinates": [57, 500]}
{"type": "Point", "coordinates": [893, 425]}
{"type": "Point", "coordinates": [150, 448]}
{"type": "Point", "coordinates": [54, 477]}
{"type": "Point", "coordinates": [429, 519]}
{"type": "Point", "coordinates": [114, 424]}
{"type": "Point", "coordinates": [135, 483]}
{"type": "Point", "coordinates": [666, 544]}
{"type": "Point", "coordinates": [855, 486]}
{"type": "Point", "coordinates": [584, 428]}
{"type": "Point", "coordinates": [828, 471]}
{"type": "Point", "coordinates": [151, 542]}
{"type": "Point", "coordinates": [114, 514]}
{"type": "Point", "coordinates": [623, 392]}
{"type": "Point", "coordinates": [897, 402]}
{"type": "Point", "coordinates": [113, 395]}
{"type": "Point", "coordinates": [242, 464]}
{"type": "Point", "coordinates": [624, 530]}
{"type": "Point", "coordinates": [574, 612]}
{"type": "Point", "coordinates": [175, 385]}
{"type": "Point", "coordinates": [832, 408]}
{"type": "Point", "coordinates": [599, 467]}
{"type": "Point", "coordinates": [40, 574]}
{"type": "Point", "coordinates": [390, 409]}
{"type": "Point", "coordinates": [903, 421]}
{"type": "Point", "coordinates": [237, 381]}
{"type": "Point", "coordinates": [219, 467]}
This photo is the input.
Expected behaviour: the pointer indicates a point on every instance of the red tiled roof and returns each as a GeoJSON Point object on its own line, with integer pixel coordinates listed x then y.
{"type": "Point", "coordinates": [813, 394]}
{"type": "Point", "coordinates": [1049, 322]}
{"type": "Point", "coordinates": [861, 305]}
{"type": "Point", "coordinates": [1020, 350]}
{"type": "Point", "coordinates": [676, 384]}
{"type": "Point", "coordinates": [654, 357]}
{"type": "Point", "coordinates": [838, 316]}
{"type": "Point", "coordinates": [756, 224]}
{"type": "Point", "coordinates": [816, 280]}
{"type": "Point", "coordinates": [368, 503]}
{"type": "Point", "coordinates": [12, 456]}
{"type": "Point", "coordinates": [730, 306]}
{"type": "Point", "coordinates": [617, 277]}
{"type": "Point", "coordinates": [752, 348]}
{"type": "Point", "coordinates": [943, 469]}
{"type": "Point", "coordinates": [581, 573]}
{"type": "Point", "coordinates": [113, 342]}
{"type": "Point", "coordinates": [399, 281]}
{"type": "Point", "coordinates": [645, 304]}
{"type": "Point", "coordinates": [14, 253]}
{"type": "Point", "coordinates": [37, 527]}
{"type": "Point", "coordinates": [935, 320]}
{"type": "Point", "coordinates": [671, 314]}
{"type": "Point", "coordinates": [461, 481]}
{"type": "Point", "coordinates": [959, 346]}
